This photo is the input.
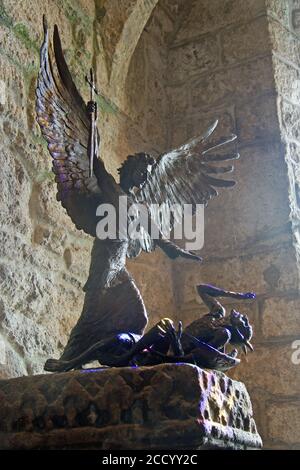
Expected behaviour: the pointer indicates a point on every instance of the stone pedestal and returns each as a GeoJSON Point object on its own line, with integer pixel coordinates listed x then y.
{"type": "Point", "coordinates": [172, 406]}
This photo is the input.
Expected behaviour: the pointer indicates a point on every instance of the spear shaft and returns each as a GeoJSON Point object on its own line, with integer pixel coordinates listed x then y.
{"type": "Point", "coordinates": [93, 117]}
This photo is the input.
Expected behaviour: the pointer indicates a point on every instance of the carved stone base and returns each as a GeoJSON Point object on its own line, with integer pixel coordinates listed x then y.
{"type": "Point", "coordinates": [170, 406]}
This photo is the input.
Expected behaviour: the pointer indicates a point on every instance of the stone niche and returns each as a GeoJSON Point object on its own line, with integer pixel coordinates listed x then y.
{"type": "Point", "coordinates": [170, 406]}
{"type": "Point", "coordinates": [169, 67]}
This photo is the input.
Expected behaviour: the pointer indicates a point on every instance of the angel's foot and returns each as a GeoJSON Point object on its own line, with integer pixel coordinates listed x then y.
{"type": "Point", "coordinates": [91, 107]}
{"type": "Point", "coordinates": [55, 365]}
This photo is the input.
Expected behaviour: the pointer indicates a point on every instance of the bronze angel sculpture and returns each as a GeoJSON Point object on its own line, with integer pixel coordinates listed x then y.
{"type": "Point", "coordinates": [113, 304]}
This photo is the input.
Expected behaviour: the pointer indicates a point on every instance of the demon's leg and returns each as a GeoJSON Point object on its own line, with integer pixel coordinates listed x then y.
{"type": "Point", "coordinates": [222, 336]}
{"type": "Point", "coordinates": [156, 337]}
{"type": "Point", "coordinates": [209, 293]}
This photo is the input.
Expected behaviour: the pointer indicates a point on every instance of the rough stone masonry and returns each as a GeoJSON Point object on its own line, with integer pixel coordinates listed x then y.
{"type": "Point", "coordinates": [168, 67]}
{"type": "Point", "coordinates": [240, 60]}
{"type": "Point", "coordinates": [170, 406]}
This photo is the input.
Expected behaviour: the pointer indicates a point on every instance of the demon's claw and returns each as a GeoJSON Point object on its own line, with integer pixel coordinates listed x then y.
{"type": "Point", "coordinates": [250, 295]}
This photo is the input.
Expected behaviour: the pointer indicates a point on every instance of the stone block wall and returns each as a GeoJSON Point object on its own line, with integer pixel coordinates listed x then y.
{"type": "Point", "coordinates": [169, 68]}
{"type": "Point", "coordinates": [239, 61]}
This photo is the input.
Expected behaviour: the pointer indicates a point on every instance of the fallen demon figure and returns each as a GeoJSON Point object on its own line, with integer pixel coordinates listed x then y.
{"type": "Point", "coordinates": [201, 343]}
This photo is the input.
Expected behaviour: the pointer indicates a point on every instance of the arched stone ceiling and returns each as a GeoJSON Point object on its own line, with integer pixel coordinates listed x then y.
{"type": "Point", "coordinates": [120, 27]}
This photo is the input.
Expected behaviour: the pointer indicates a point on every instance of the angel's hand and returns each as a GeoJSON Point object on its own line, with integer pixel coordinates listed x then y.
{"type": "Point", "coordinates": [192, 255]}
{"type": "Point", "coordinates": [91, 107]}
{"type": "Point", "coordinates": [173, 251]}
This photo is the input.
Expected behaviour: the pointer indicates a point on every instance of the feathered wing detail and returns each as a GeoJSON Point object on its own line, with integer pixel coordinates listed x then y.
{"type": "Point", "coordinates": [64, 122]}
{"type": "Point", "coordinates": [189, 174]}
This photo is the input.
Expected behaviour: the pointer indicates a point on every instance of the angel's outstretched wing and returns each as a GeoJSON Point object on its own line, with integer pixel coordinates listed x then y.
{"type": "Point", "coordinates": [183, 176]}
{"type": "Point", "coordinates": [64, 122]}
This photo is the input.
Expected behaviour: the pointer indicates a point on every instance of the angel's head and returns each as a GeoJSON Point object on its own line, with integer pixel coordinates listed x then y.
{"type": "Point", "coordinates": [135, 171]}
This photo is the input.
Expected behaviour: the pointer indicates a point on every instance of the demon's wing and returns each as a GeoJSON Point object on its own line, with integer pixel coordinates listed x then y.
{"type": "Point", "coordinates": [64, 122]}
{"type": "Point", "coordinates": [183, 176]}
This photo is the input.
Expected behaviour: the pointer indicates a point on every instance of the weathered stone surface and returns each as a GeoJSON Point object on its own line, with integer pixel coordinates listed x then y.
{"type": "Point", "coordinates": [290, 118]}
{"type": "Point", "coordinates": [175, 8]}
{"type": "Point", "coordinates": [112, 20]}
{"type": "Point", "coordinates": [248, 80]}
{"type": "Point", "coordinates": [129, 38]}
{"type": "Point", "coordinates": [256, 41]}
{"type": "Point", "coordinates": [292, 156]}
{"type": "Point", "coordinates": [279, 9]}
{"type": "Point", "coordinates": [117, 408]}
{"type": "Point", "coordinates": [280, 317]}
{"type": "Point", "coordinates": [249, 231]}
{"type": "Point", "coordinates": [32, 339]}
{"type": "Point", "coordinates": [12, 364]}
{"type": "Point", "coordinates": [294, 9]}
{"type": "Point", "coordinates": [162, 24]}
{"type": "Point", "coordinates": [136, 84]}
{"type": "Point", "coordinates": [44, 206]}
{"type": "Point", "coordinates": [44, 260]}
{"type": "Point", "coordinates": [287, 80]}
{"type": "Point", "coordinates": [39, 301]}
{"type": "Point", "coordinates": [179, 101]}
{"type": "Point", "coordinates": [13, 91]}
{"type": "Point", "coordinates": [270, 369]}
{"type": "Point", "coordinates": [211, 15]}
{"type": "Point", "coordinates": [262, 273]}
{"type": "Point", "coordinates": [15, 191]}
{"type": "Point", "coordinates": [284, 42]}
{"type": "Point", "coordinates": [256, 120]}
{"type": "Point", "coordinates": [282, 422]}
{"type": "Point", "coordinates": [156, 112]}
{"type": "Point", "coordinates": [248, 221]}
{"type": "Point", "coordinates": [257, 222]}
{"type": "Point", "coordinates": [194, 58]}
